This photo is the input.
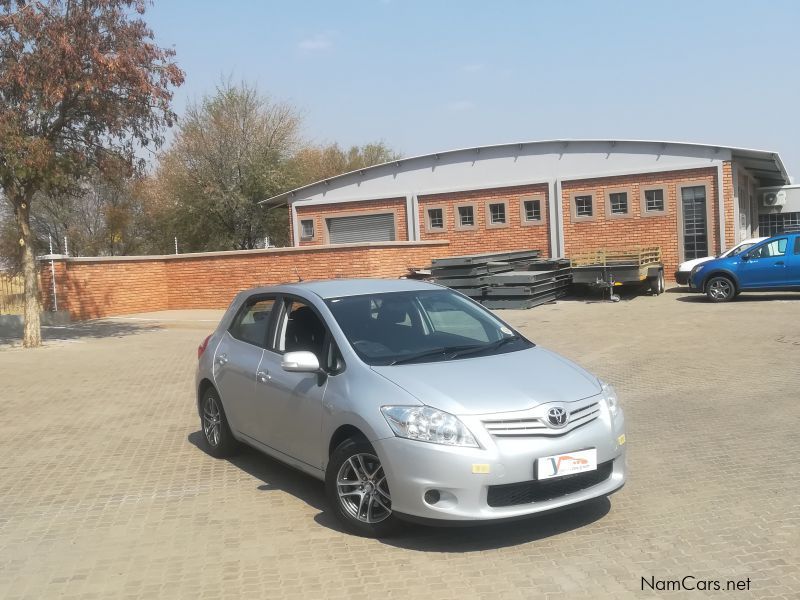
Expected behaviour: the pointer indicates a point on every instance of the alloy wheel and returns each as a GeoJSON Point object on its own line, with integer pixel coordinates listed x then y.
{"type": "Point", "coordinates": [212, 421]}
{"type": "Point", "coordinates": [363, 490]}
{"type": "Point", "coordinates": [720, 289]}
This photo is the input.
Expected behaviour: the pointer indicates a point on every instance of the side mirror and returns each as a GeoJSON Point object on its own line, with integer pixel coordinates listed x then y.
{"type": "Point", "coordinates": [744, 256]}
{"type": "Point", "coordinates": [301, 361]}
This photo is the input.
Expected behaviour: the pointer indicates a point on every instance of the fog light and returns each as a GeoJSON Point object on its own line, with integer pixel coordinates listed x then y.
{"type": "Point", "coordinates": [432, 496]}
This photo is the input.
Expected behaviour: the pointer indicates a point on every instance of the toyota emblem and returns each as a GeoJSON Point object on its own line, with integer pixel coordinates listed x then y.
{"type": "Point", "coordinates": [557, 417]}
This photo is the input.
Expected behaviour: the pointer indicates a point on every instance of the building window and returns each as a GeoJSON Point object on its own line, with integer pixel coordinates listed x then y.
{"type": "Point", "coordinates": [307, 229]}
{"type": "Point", "coordinates": [618, 201]}
{"type": "Point", "coordinates": [778, 223]}
{"type": "Point", "coordinates": [583, 206]}
{"type": "Point", "coordinates": [654, 200]}
{"type": "Point", "coordinates": [497, 213]}
{"type": "Point", "coordinates": [435, 218]}
{"type": "Point", "coordinates": [533, 210]}
{"type": "Point", "coordinates": [466, 216]}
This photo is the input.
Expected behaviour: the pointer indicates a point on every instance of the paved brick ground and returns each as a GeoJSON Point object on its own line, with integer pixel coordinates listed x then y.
{"type": "Point", "coordinates": [104, 493]}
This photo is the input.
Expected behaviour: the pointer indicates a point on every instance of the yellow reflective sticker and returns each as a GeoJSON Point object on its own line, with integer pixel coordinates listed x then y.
{"type": "Point", "coordinates": [621, 439]}
{"type": "Point", "coordinates": [480, 469]}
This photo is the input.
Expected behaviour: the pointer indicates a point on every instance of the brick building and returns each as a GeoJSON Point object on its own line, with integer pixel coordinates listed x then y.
{"type": "Point", "coordinates": [558, 196]}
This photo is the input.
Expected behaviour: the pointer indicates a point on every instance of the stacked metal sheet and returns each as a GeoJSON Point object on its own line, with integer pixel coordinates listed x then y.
{"type": "Point", "coordinates": [517, 279]}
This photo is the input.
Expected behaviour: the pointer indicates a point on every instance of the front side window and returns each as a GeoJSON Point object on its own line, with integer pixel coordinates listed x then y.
{"type": "Point", "coordinates": [252, 321]}
{"type": "Point", "coordinates": [421, 326]}
{"type": "Point", "coordinates": [770, 249]}
{"type": "Point", "coordinates": [307, 229]}
{"type": "Point", "coordinates": [583, 206]}
{"type": "Point", "coordinates": [618, 201]}
{"type": "Point", "coordinates": [301, 329]}
{"type": "Point", "coordinates": [533, 210]}
{"type": "Point", "coordinates": [497, 213]}
{"type": "Point", "coordinates": [466, 216]}
{"type": "Point", "coordinates": [436, 218]}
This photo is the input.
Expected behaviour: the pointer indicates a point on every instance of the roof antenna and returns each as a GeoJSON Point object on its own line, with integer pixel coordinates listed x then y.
{"type": "Point", "coordinates": [296, 272]}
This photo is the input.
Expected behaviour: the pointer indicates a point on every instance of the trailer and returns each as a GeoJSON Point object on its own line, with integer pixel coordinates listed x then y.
{"type": "Point", "coordinates": [607, 268]}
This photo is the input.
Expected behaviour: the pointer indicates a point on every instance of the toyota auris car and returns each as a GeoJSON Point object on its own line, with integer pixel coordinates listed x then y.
{"type": "Point", "coordinates": [410, 401]}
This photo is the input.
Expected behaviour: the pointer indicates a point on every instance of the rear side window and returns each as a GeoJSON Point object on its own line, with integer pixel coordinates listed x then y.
{"type": "Point", "coordinates": [797, 245]}
{"type": "Point", "coordinates": [252, 321]}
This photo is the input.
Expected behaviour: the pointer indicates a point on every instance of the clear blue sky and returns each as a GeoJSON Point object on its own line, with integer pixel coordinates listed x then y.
{"type": "Point", "coordinates": [426, 75]}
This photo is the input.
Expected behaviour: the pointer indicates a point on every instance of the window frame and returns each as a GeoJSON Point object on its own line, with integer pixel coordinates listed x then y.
{"type": "Point", "coordinates": [523, 214]}
{"type": "Point", "coordinates": [428, 227]}
{"type": "Point", "coordinates": [457, 216]}
{"type": "Point", "coordinates": [643, 198]}
{"type": "Point", "coordinates": [608, 192]}
{"type": "Point", "coordinates": [246, 304]}
{"type": "Point", "coordinates": [489, 223]}
{"type": "Point", "coordinates": [573, 204]}
{"type": "Point", "coordinates": [313, 236]}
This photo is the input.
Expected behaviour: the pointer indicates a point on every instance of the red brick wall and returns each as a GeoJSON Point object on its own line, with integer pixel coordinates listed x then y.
{"type": "Point", "coordinates": [108, 286]}
{"type": "Point", "coordinates": [489, 239]}
{"type": "Point", "coordinates": [636, 230]}
{"type": "Point", "coordinates": [728, 193]}
{"type": "Point", "coordinates": [320, 212]}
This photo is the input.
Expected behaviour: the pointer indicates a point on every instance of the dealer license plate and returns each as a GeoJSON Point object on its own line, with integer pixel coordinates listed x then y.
{"type": "Point", "coordinates": [568, 463]}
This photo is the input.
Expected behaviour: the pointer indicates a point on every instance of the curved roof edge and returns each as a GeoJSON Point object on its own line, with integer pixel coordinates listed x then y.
{"type": "Point", "coordinates": [742, 152]}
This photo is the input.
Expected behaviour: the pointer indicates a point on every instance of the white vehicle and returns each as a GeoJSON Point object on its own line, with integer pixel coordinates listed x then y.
{"type": "Point", "coordinates": [685, 268]}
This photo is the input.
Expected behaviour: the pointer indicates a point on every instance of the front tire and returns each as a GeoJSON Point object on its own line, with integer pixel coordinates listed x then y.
{"type": "Point", "coordinates": [357, 490]}
{"type": "Point", "coordinates": [720, 289]}
{"type": "Point", "coordinates": [217, 437]}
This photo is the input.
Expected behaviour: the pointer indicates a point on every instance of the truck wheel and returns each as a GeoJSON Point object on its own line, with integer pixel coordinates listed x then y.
{"type": "Point", "coordinates": [720, 289]}
{"type": "Point", "coordinates": [657, 284]}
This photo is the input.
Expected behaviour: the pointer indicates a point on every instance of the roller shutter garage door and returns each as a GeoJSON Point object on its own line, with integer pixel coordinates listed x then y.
{"type": "Point", "coordinates": [361, 228]}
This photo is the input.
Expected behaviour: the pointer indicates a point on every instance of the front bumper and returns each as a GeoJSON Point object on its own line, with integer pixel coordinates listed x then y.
{"type": "Point", "coordinates": [682, 277]}
{"type": "Point", "coordinates": [413, 468]}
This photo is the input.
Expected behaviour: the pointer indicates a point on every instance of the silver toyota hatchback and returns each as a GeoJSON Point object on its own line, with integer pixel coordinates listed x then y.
{"type": "Point", "coordinates": [410, 401]}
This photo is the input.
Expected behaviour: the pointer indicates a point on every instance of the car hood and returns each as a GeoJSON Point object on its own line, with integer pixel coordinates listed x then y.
{"type": "Point", "coordinates": [490, 384]}
{"type": "Point", "coordinates": [691, 264]}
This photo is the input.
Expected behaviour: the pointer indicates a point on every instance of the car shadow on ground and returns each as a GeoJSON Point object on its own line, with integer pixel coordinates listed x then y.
{"type": "Point", "coordinates": [745, 297]}
{"type": "Point", "coordinates": [12, 335]}
{"type": "Point", "coordinates": [278, 477]}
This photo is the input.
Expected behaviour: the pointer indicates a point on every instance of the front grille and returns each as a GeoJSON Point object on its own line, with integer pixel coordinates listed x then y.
{"type": "Point", "coordinates": [535, 424]}
{"type": "Point", "coordinates": [511, 494]}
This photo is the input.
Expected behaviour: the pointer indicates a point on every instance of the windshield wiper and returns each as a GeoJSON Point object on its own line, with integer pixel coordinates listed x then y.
{"type": "Point", "coordinates": [435, 352]}
{"type": "Point", "coordinates": [491, 346]}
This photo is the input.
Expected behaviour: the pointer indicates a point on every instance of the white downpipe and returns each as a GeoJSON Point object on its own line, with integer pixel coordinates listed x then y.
{"type": "Point", "coordinates": [53, 273]}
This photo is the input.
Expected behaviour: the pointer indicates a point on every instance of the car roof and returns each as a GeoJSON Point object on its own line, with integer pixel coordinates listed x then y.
{"type": "Point", "coordinates": [337, 288]}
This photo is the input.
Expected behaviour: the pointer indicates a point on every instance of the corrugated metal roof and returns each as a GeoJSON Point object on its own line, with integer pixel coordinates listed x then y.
{"type": "Point", "coordinates": [766, 165]}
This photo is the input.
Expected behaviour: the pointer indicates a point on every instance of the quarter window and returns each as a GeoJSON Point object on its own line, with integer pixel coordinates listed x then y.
{"type": "Point", "coordinates": [435, 218]}
{"type": "Point", "coordinates": [251, 323]}
{"type": "Point", "coordinates": [497, 213]}
{"type": "Point", "coordinates": [583, 206]}
{"type": "Point", "coordinates": [466, 216]}
{"type": "Point", "coordinates": [533, 210]}
{"type": "Point", "coordinates": [654, 200]}
{"type": "Point", "coordinates": [618, 201]}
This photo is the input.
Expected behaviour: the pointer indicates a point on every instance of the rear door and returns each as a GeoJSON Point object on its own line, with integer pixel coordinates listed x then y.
{"type": "Point", "coordinates": [237, 360]}
{"type": "Point", "coordinates": [793, 262]}
{"type": "Point", "coordinates": [766, 265]}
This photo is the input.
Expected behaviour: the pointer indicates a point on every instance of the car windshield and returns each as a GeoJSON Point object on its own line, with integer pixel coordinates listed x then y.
{"type": "Point", "coordinates": [740, 249]}
{"type": "Point", "coordinates": [421, 326]}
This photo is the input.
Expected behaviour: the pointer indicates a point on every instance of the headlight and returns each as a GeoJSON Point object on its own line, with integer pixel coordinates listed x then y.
{"type": "Point", "coordinates": [698, 268]}
{"type": "Point", "coordinates": [610, 396]}
{"type": "Point", "coordinates": [428, 425]}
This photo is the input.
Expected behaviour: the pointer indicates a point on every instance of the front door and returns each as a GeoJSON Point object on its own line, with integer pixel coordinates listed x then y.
{"type": "Point", "coordinates": [766, 265]}
{"type": "Point", "coordinates": [290, 404]}
{"type": "Point", "coordinates": [695, 222]}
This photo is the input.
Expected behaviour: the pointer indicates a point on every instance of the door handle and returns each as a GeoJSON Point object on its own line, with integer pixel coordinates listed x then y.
{"type": "Point", "coordinates": [263, 376]}
{"type": "Point", "coordinates": [222, 359]}
{"type": "Point", "coordinates": [779, 263]}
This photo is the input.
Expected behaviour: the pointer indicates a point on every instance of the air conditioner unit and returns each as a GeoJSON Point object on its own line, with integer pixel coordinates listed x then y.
{"type": "Point", "coordinates": [774, 198]}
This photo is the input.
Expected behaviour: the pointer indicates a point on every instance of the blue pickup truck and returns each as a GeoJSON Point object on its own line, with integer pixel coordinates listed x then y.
{"type": "Point", "coordinates": [771, 265]}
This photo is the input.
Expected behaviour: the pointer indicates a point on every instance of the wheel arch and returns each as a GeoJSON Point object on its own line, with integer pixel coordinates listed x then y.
{"type": "Point", "coordinates": [202, 388]}
{"type": "Point", "coordinates": [342, 433]}
{"type": "Point", "coordinates": [721, 273]}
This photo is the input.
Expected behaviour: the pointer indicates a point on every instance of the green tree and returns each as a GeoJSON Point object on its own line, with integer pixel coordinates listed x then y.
{"type": "Point", "coordinates": [82, 86]}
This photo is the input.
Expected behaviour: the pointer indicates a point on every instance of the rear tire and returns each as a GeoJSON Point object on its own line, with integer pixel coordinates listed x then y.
{"type": "Point", "coordinates": [218, 440]}
{"type": "Point", "coordinates": [657, 284]}
{"type": "Point", "coordinates": [357, 490]}
{"type": "Point", "coordinates": [720, 289]}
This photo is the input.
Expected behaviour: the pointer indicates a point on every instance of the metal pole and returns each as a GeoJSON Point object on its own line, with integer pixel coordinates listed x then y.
{"type": "Point", "coordinates": [53, 274]}
{"type": "Point", "coordinates": [176, 245]}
